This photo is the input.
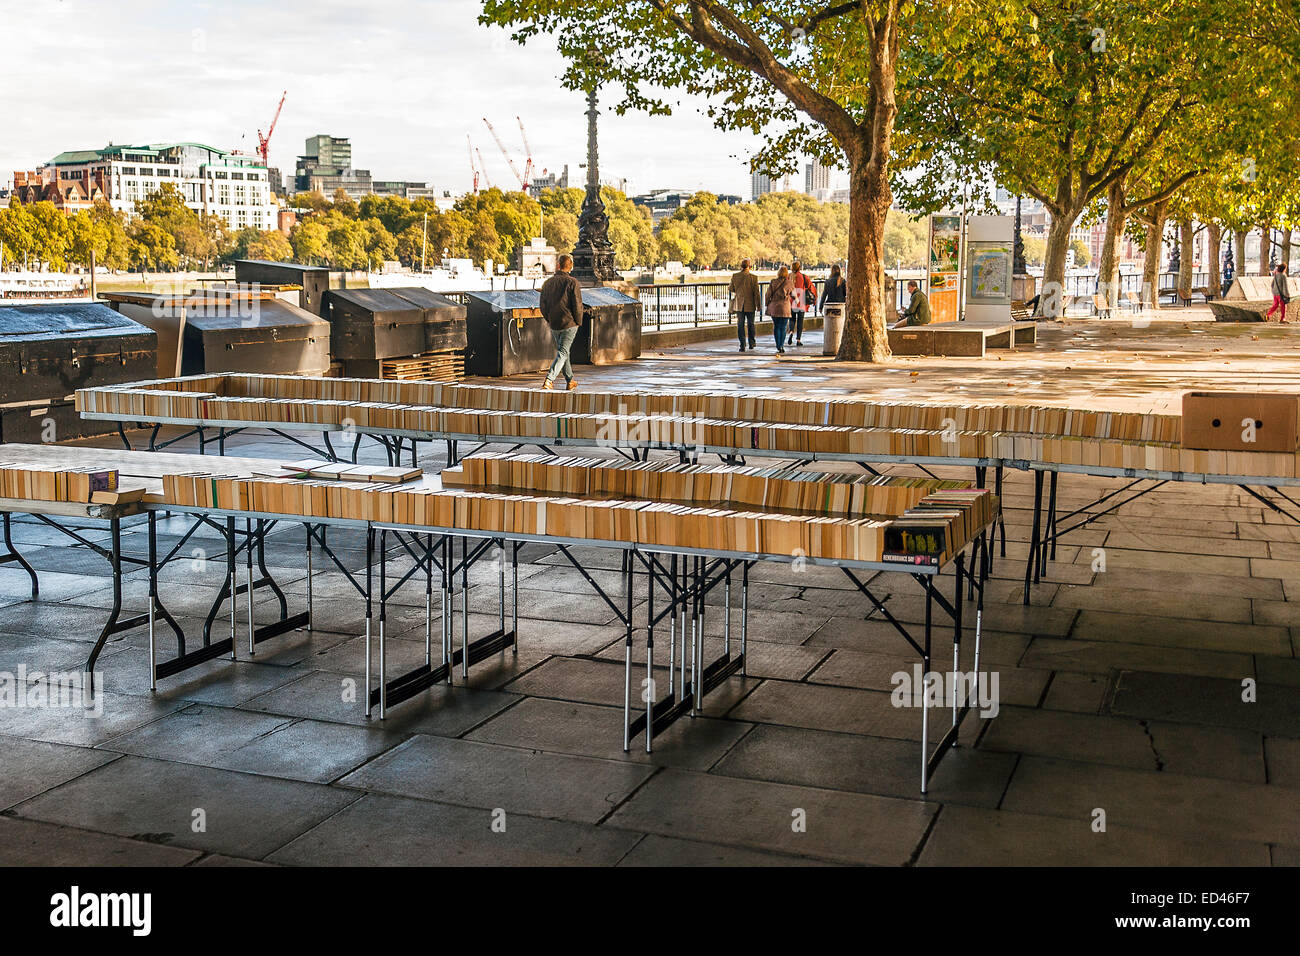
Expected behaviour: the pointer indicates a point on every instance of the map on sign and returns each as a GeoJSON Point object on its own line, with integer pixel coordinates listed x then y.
{"type": "Point", "coordinates": [989, 275]}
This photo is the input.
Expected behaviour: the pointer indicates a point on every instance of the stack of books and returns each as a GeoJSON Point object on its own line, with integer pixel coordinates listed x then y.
{"type": "Point", "coordinates": [36, 482]}
{"type": "Point", "coordinates": [772, 511]}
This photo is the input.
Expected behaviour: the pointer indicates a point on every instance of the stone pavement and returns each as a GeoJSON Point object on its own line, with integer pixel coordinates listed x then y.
{"type": "Point", "coordinates": [1120, 690]}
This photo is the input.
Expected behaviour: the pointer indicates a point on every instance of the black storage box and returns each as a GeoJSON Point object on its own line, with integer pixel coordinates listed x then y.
{"type": "Point", "coordinates": [315, 280]}
{"type": "Point", "coordinates": [374, 324]}
{"type": "Point", "coordinates": [611, 327]}
{"type": "Point", "coordinates": [48, 351]}
{"type": "Point", "coordinates": [507, 334]}
{"type": "Point", "coordinates": [239, 334]}
{"type": "Point", "coordinates": [444, 319]}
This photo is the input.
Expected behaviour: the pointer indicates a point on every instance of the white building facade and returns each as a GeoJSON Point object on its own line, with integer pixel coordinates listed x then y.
{"type": "Point", "coordinates": [234, 186]}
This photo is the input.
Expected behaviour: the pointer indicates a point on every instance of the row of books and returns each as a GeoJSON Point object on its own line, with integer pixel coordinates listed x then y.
{"type": "Point", "coordinates": [845, 412]}
{"type": "Point", "coordinates": [665, 524]}
{"type": "Point", "coordinates": [784, 489]}
{"type": "Point", "coordinates": [679, 431]}
{"type": "Point", "coordinates": [37, 482]}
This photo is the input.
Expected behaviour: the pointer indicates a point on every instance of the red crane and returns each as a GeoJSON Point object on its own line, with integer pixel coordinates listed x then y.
{"type": "Point", "coordinates": [264, 142]}
{"type": "Point", "coordinates": [528, 154]}
{"type": "Point", "coordinates": [523, 183]}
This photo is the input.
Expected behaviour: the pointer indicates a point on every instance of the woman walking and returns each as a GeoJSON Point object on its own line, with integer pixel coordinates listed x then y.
{"type": "Point", "coordinates": [1281, 294]}
{"type": "Point", "coordinates": [777, 304]}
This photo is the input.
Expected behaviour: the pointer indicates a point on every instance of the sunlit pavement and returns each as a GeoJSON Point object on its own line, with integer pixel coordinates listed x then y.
{"type": "Point", "coordinates": [1120, 689]}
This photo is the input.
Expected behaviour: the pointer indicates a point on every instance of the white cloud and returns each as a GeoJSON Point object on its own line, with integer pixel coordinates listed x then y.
{"type": "Point", "coordinates": [404, 79]}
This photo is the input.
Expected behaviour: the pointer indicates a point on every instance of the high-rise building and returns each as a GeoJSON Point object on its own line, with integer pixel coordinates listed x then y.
{"type": "Point", "coordinates": [234, 186]}
{"type": "Point", "coordinates": [329, 150]}
{"type": "Point", "coordinates": [761, 184]}
{"type": "Point", "coordinates": [816, 178]}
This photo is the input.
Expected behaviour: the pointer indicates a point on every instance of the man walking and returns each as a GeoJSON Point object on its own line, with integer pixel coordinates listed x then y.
{"type": "Point", "coordinates": [562, 308]}
{"type": "Point", "coordinates": [745, 297]}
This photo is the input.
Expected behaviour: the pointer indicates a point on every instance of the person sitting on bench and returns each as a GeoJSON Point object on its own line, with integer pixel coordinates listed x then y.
{"type": "Point", "coordinates": [918, 308]}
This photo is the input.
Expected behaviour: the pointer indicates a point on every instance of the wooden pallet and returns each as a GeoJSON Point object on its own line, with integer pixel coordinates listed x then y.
{"type": "Point", "coordinates": [446, 367]}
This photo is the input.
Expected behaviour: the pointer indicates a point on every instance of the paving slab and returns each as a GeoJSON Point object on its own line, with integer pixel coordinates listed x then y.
{"type": "Point", "coordinates": [29, 767]}
{"type": "Point", "coordinates": [30, 843]}
{"type": "Point", "coordinates": [821, 707]}
{"type": "Point", "coordinates": [1079, 693]}
{"type": "Point", "coordinates": [275, 746]}
{"type": "Point", "coordinates": [81, 727]}
{"type": "Point", "coordinates": [660, 851]}
{"type": "Point", "coordinates": [589, 730]}
{"type": "Point", "coordinates": [518, 781]}
{"type": "Point", "coordinates": [1190, 807]}
{"type": "Point", "coordinates": [244, 815]}
{"type": "Point", "coordinates": [869, 764]}
{"type": "Point", "coordinates": [1216, 701]}
{"type": "Point", "coordinates": [1135, 560]}
{"type": "Point", "coordinates": [1101, 656]}
{"type": "Point", "coordinates": [1181, 605]}
{"type": "Point", "coordinates": [381, 830]}
{"type": "Point", "coordinates": [970, 836]}
{"type": "Point", "coordinates": [445, 710]}
{"type": "Point", "coordinates": [837, 826]}
{"type": "Point", "coordinates": [1123, 742]}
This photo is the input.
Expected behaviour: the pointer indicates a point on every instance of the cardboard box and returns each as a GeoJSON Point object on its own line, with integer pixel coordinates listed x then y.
{"type": "Point", "coordinates": [1241, 421]}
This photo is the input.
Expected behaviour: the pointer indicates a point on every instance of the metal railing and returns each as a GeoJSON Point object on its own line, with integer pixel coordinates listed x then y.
{"type": "Point", "coordinates": [691, 305]}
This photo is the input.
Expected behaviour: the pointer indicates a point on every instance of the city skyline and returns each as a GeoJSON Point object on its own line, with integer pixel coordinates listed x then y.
{"type": "Point", "coordinates": [190, 76]}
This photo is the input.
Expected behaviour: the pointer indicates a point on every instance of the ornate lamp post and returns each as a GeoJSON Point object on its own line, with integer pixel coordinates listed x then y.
{"type": "Point", "coordinates": [593, 255]}
{"type": "Point", "coordinates": [1018, 248]}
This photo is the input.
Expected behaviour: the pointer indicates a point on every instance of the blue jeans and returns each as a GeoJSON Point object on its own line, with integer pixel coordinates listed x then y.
{"type": "Point", "coordinates": [563, 342]}
{"type": "Point", "coordinates": [779, 325]}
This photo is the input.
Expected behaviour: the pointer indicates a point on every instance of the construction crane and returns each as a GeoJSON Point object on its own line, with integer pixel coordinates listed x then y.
{"type": "Point", "coordinates": [523, 183]}
{"type": "Point", "coordinates": [472, 168]}
{"type": "Point", "coordinates": [528, 156]}
{"type": "Point", "coordinates": [483, 167]}
{"type": "Point", "coordinates": [264, 142]}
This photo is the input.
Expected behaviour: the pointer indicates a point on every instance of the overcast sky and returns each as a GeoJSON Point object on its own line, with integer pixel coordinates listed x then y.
{"type": "Point", "coordinates": [406, 80]}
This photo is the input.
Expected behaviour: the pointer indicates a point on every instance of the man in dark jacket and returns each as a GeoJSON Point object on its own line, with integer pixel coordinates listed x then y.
{"type": "Point", "coordinates": [562, 308]}
{"type": "Point", "coordinates": [918, 307]}
{"type": "Point", "coordinates": [746, 300]}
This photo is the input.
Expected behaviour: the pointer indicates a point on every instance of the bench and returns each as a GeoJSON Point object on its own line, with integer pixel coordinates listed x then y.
{"type": "Point", "coordinates": [970, 338]}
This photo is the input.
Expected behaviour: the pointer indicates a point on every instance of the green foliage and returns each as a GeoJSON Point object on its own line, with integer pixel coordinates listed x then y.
{"type": "Point", "coordinates": [1082, 254]}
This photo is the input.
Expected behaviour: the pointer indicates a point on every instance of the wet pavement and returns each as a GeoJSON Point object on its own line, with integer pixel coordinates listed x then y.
{"type": "Point", "coordinates": [1154, 679]}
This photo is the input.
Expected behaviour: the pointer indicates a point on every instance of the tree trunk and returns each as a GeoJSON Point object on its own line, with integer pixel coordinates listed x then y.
{"type": "Point", "coordinates": [1186, 261]}
{"type": "Point", "coordinates": [866, 338]}
{"type": "Point", "coordinates": [1151, 259]}
{"type": "Point", "coordinates": [1284, 256]}
{"type": "Point", "coordinates": [1238, 252]}
{"type": "Point", "coordinates": [1058, 244]}
{"type": "Point", "coordinates": [1108, 265]}
{"type": "Point", "coordinates": [1213, 239]}
{"type": "Point", "coordinates": [1265, 244]}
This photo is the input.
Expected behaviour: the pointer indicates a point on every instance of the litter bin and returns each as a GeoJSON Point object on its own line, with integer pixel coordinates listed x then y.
{"type": "Point", "coordinates": [832, 328]}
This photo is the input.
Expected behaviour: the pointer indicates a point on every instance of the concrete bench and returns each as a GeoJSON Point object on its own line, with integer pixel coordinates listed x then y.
{"type": "Point", "coordinates": [970, 338]}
